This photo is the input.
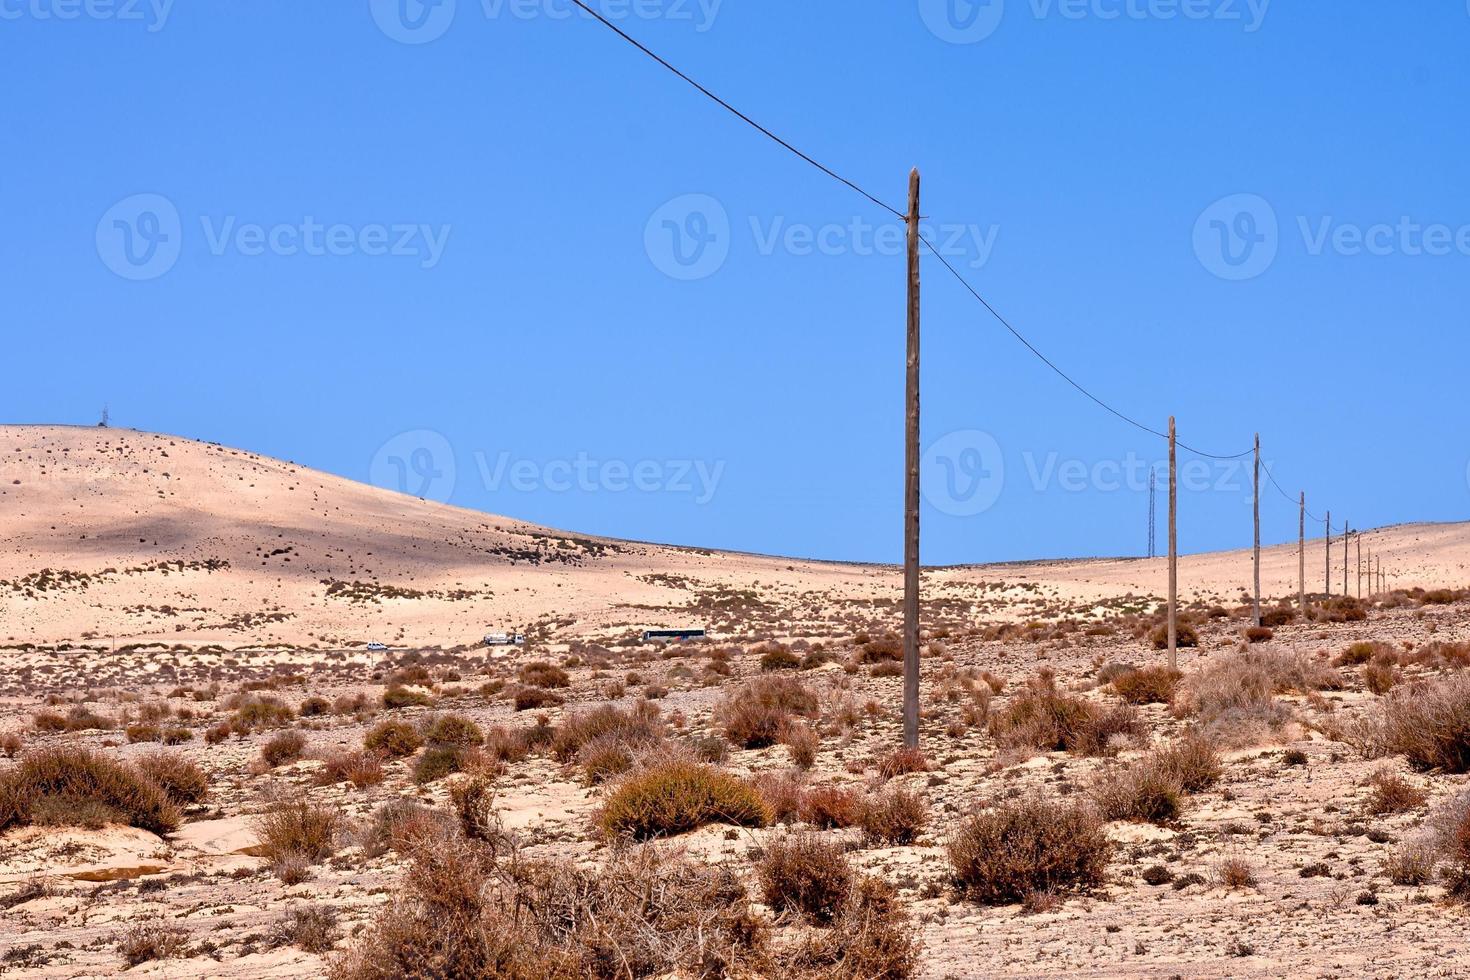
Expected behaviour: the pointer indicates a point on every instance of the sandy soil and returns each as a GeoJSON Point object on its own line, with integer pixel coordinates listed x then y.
{"type": "Point", "coordinates": [207, 564]}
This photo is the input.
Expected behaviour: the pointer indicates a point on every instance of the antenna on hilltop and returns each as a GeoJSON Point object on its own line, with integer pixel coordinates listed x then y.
{"type": "Point", "coordinates": [103, 424]}
{"type": "Point", "coordinates": [1153, 495]}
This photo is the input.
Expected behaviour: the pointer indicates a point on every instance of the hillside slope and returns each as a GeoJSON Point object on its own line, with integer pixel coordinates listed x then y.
{"type": "Point", "coordinates": [111, 535]}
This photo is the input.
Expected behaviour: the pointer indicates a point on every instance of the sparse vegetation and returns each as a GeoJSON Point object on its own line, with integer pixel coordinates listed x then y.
{"type": "Point", "coordinates": [1005, 853]}
{"type": "Point", "coordinates": [679, 797]}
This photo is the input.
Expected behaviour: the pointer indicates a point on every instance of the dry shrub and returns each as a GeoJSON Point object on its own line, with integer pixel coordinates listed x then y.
{"type": "Point", "coordinates": [755, 716]}
{"type": "Point", "coordinates": [775, 656]}
{"type": "Point", "coordinates": [53, 782]}
{"type": "Point", "coordinates": [438, 761]}
{"type": "Point", "coordinates": [1412, 863]}
{"type": "Point", "coordinates": [1042, 717]}
{"type": "Point", "coordinates": [508, 744]}
{"type": "Point", "coordinates": [903, 761]}
{"type": "Point", "coordinates": [679, 797]}
{"type": "Point", "coordinates": [872, 940]}
{"type": "Point", "coordinates": [830, 807]}
{"type": "Point", "coordinates": [473, 803]}
{"type": "Point", "coordinates": [1150, 685]}
{"type": "Point", "coordinates": [1393, 793]}
{"type": "Point", "coordinates": [298, 828]}
{"type": "Point", "coordinates": [1191, 761]}
{"type": "Point", "coordinates": [529, 698]}
{"type": "Point", "coordinates": [1380, 677]}
{"type": "Point", "coordinates": [1430, 723]}
{"type": "Point", "coordinates": [895, 817]}
{"type": "Point", "coordinates": [1185, 637]}
{"type": "Point", "coordinates": [1341, 609]}
{"type": "Point", "coordinates": [802, 743]}
{"type": "Point", "coordinates": [312, 928]}
{"type": "Point", "coordinates": [182, 780]}
{"type": "Point", "coordinates": [261, 712]}
{"type": "Point", "coordinates": [78, 719]}
{"type": "Point", "coordinates": [283, 748]}
{"type": "Point", "coordinates": [1259, 634]}
{"type": "Point", "coordinates": [1278, 617]}
{"type": "Point", "coordinates": [1235, 873]}
{"type": "Point", "coordinates": [782, 792]}
{"type": "Point", "coordinates": [397, 696]}
{"type": "Point", "coordinates": [392, 739]}
{"type": "Point", "coordinates": [143, 732]}
{"type": "Point", "coordinates": [1033, 844]}
{"type": "Point", "coordinates": [401, 825]}
{"type": "Point", "coordinates": [806, 874]}
{"type": "Point", "coordinates": [539, 673]}
{"type": "Point", "coordinates": [1357, 654]}
{"type": "Point", "coordinates": [148, 941]}
{"type": "Point", "coordinates": [1145, 792]}
{"type": "Point", "coordinates": [886, 647]}
{"type": "Point", "coordinates": [10, 745]}
{"type": "Point", "coordinates": [451, 729]}
{"type": "Point", "coordinates": [642, 915]}
{"type": "Point", "coordinates": [638, 725]}
{"type": "Point", "coordinates": [1234, 696]}
{"type": "Point", "coordinates": [362, 769]}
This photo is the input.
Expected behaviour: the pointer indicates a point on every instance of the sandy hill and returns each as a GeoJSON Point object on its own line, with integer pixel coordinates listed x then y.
{"type": "Point", "coordinates": [110, 535]}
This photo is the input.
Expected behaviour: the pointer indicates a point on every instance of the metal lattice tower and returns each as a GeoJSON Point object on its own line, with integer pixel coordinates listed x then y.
{"type": "Point", "coordinates": [1153, 494]}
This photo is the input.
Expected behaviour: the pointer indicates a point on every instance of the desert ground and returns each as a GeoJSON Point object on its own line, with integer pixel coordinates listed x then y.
{"type": "Point", "coordinates": [204, 771]}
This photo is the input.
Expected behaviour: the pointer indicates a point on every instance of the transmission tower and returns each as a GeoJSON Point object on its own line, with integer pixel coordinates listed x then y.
{"type": "Point", "coordinates": [105, 419]}
{"type": "Point", "coordinates": [1153, 494]}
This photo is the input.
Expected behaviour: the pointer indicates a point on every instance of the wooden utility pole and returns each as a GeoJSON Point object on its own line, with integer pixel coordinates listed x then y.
{"type": "Point", "coordinates": [1173, 548]}
{"type": "Point", "coordinates": [1301, 555]}
{"type": "Point", "coordinates": [911, 486]}
{"type": "Point", "coordinates": [1328, 523]}
{"type": "Point", "coordinates": [1346, 558]}
{"type": "Point", "coordinates": [1258, 530]}
{"type": "Point", "coordinates": [1360, 564]}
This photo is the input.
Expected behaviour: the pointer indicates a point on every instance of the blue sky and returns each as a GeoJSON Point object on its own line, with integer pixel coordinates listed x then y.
{"type": "Point", "coordinates": [488, 253]}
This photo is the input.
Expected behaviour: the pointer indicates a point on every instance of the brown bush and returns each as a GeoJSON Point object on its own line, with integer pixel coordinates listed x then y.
{"type": "Point", "coordinates": [312, 928]}
{"type": "Point", "coordinates": [1393, 793]}
{"type": "Point", "coordinates": [1380, 678]}
{"type": "Point", "coordinates": [1185, 636]}
{"type": "Point", "coordinates": [1042, 717]}
{"type": "Point", "coordinates": [830, 807]}
{"type": "Point", "coordinates": [144, 942]}
{"type": "Point", "coordinates": [261, 712]}
{"type": "Point", "coordinates": [1020, 847]}
{"type": "Point", "coordinates": [143, 733]}
{"type": "Point", "coordinates": [872, 940]}
{"type": "Point", "coordinates": [1145, 792]}
{"type": "Point", "coordinates": [451, 729]}
{"type": "Point", "coordinates": [755, 716]}
{"type": "Point", "coordinates": [63, 779]}
{"type": "Point", "coordinates": [1150, 685]}
{"type": "Point", "coordinates": [777, 657]}
{"type": "Point", "coordinates": [1412, 863]}
{"type": "Point", "coordinates": [1234, 695]}
{"type": "Point", "coordinates": [802, 743]}
{"type": "Point", "coordinates": [1360, 653]}
{"type": "Point", "coordinates": [298, 828]}
{"type": "Point", "coordinates": [1430, 723]}
{"type": "Point", "coordinates": [183, 781]}
{"type": "Point", "coordinates": [1235, 873]}
{"type": "Point", "coordinates": [539, 673]}
{"type": "Point", "coordinates": [1191, 761]}
{"type": "Point", "coordinates": [439, 761]}
{"type": "Point", "coordinates": [895, 817]}
{"type": "Point", "coordinates": [283, 748]}
{"type": "Point", "coordinates": [638, 725]}
{"type": "Point", "coordinates": [530, 698]}
{"type": "Point", "coordinates": [397, 696]}
{"type": "Point", "coordinates": [362, 769]}
{"type": "Point", "coordinates": [679, 797]}
{"type": "Point", "coordinates": [886, 647]}
{"type": "Point", "coordinates": [392, 739]}
{"type": "Point", "coordinates": [901, 762]}
{"type": "Point", "coordinates": [806, 874]}
{"type": "Point", "coordinates": [1259, 634]}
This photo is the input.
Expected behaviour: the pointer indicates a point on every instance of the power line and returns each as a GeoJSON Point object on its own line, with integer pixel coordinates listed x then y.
{"type": "Point", "coordinates": [736, 112]}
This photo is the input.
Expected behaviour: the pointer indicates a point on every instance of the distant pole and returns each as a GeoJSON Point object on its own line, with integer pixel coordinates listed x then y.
{"type": "Point", "coordinates": [1173, 548]}
{"type": "Point", "coordinates": [1360, 564]}
{"type": "Point", "coordinates": [1346, 558]}
{"type": "Point", "coordinates": [1328, 523]}
{"type": "Point", "coordinates": [1301, 555]}
{"type": "Point", "coordinates": [911, 486]}
{"type": "Point", "coordinates": [1258, 530]}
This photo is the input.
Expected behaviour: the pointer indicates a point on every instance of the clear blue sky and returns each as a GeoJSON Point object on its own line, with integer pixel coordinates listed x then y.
{"type": "Point", "coordinates": [536, 313]}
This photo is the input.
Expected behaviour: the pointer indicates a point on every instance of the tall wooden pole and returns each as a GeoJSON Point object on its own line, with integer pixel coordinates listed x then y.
{"type": "Point", "coordinates": [1301, 555]}
{"type": "Point", "coordinates": [911, 486]}
{"type": "Point", "coordinates": [1173, 548]}
{"type": "Point", "coordinates": [1258, 530]}
{"type": "Point", "coordinates": [1360, 564]}
{"type": "Point", "coordinates": [1346, 558]}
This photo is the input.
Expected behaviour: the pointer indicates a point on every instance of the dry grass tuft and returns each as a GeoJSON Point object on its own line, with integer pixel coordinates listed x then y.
{"type": "Point", "coordinates": [182, 780]}
{"type": "Point", "coordinates": [757, 715]}
{"type": "Point", "coordinates": [1393, 793]}
{"type": "Point", "coordinates": [1150, 685]}
{"type": "Point", "coordinates": [53, 783]}
{"type": "Point", "coordinates": [298, 829]}
{"type": "Point", "coordinates": [896, 817]}
{"type": "Point", "coordinates": [148, 941]}
{"type": "Point", "coordinates": [283, 748]}
{"type": "Point", "coordinates": [392, 739]}
{"type": "Point", "coordinates": [1021, 847]}
{"type": "Point", "coordinates": [679, 797]}
{"type": "Point", "coordinates": [539, 673]}
{"type": "Point", "coordinates": [1042, 717]}
{"type": "Point", "coordinates": [1429, 723]}
{"type": "Point", "coordinates": [806, 874]}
